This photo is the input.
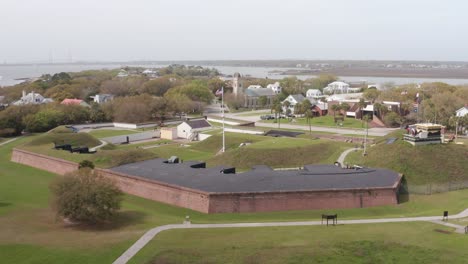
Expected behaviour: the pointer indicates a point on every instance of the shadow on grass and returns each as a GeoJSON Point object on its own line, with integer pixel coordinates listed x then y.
{"type": "Point", "coordinates": [4, 204]}
{"type": "Point", "coordinates": [120, 220]}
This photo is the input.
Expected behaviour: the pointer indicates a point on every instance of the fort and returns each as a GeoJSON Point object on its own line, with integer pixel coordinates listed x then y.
{"type": "Point", "coordinates": [221, 190]}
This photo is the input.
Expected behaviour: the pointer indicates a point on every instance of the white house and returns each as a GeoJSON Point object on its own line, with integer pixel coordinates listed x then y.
{"type": "Point", "coordinates": [32, 98]}
{"type": "Point", "coordinates": [313, 93]}
{"type": "Point", "coordinates": [336, 88]}
{"type": "Point", "coordinates": [293, 100]}
{"type": "Point", "coordinates": [122, 73]}
{"type": "Point", "coordinates": [102, 98]}
{"type": "Point", "coordinates": [275, 87]}
{"type": "Point", "coordinates": [462, 111]}
{"type": "Point", "coordinates": [191, 128]}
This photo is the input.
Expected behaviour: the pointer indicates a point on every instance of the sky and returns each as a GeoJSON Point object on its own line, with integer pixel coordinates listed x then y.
{"type": "Point", "coordinates": [116, 30]}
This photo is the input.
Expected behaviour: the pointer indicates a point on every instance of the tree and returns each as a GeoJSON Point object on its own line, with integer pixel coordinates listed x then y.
{"type": "Point", "coordinates": [278, 110]}
{"type": "Point", "coordinates": [286, 105]}
{"type": "Point", "coordinates": [196, 91]}
{"type": "Point", "coordinates": [371, 94]}
{"type": "Point", "coordinates": [86, 164]}
{"type": "Point", "coordinates": [85, 196]}
{"type": "Point", "coordinates": [362, 104]}
{"type": "Point", "coordinates": [309, 116]}
{"type": "Point", "coordinates": [345, 107]}
{"type": "Point", "coordinates": [262, 101]}
{"type": "Point", "coordinates": [335, 108]}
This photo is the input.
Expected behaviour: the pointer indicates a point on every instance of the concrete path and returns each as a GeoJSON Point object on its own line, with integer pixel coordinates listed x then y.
{"type": "Point", "coordinates": [148, 236]}
{"type": "Point", "coordinates": [343, 155]}
{"type": "Point", "coordinates": [8, 141]}
{"type": "Point", "coordinates": [103, 143]}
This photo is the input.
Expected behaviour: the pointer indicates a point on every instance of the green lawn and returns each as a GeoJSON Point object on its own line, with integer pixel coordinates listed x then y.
{"type": "Point", "coordinates": [326, 121]}
{"type": "Point", "coordinates": [103, 133]}
{"type": "Point", "coordinates": [256, 113]}
{"type": "Point", "coordinates": [32, 234]}
{"type": "Point", "coordinates": [428, 168]}
{"type": "Point", "coordinates": [376, 243]}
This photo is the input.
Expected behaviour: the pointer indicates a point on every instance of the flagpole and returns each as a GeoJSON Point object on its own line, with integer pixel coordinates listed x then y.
{"type": "Point", "coordinates": [222, 107]}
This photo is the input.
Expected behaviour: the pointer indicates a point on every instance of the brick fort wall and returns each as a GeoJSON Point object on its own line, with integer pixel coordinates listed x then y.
{"type": "Point", "coordinates": [223, 202]}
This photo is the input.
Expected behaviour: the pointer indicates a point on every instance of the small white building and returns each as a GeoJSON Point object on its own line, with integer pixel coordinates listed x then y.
{"type": "Point", "coordinates": [314, 93]}
{"type": "Point", "coordinates": [336, 88]}
{"type": "Point", "coordinates": [275, 87]}
{"type": "Point", "coordinates": [191, 128]}
{"type": "Point", "coordinates": [122, 73]}
{"type": "Point", "coordinates": [32, 98]}
{"type": "Point", "coordinates": [462, 111]}
{"type": "Point", "coordinates": [295, 99]}
{"type": "Point", "coordinates": [102, 98]}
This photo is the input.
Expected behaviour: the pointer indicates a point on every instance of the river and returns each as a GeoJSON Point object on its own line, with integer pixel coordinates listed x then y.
{"type": "Point", "coordinates": [9, 74]}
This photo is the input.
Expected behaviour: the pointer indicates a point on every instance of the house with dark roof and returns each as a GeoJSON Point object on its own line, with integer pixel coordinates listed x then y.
{"type": "Point", "coordinates": [253, 93]}
{"type": "Point", "coordinates": [190, 129]}
{"type": "Point", "coordinates": [293, 100]}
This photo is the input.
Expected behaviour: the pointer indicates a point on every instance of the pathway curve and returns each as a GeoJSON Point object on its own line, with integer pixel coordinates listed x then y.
{"type": "Point", "coordinates": [103, 143]}
{"type": "Point", "coordinates": [343, 155]}
{"type": "Point", "coordinates": [148, 236]}
{"type": "Point", "coordinates": [8, 141]}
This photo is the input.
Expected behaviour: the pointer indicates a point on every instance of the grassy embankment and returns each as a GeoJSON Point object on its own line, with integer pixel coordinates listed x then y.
{"type": "Point", "coordinates": [378, 243]}
{"type": "Point", "coordinates": [104, 133]}
{"type": "Point", "coordinates": [31, 233]}
{"type": "Point", "coordinates": [435, 167]}
{"type": "Point", "coordinates": [325, 121]}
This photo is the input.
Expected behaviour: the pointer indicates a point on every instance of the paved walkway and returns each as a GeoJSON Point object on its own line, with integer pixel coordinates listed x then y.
{"type": "Point", "coordinates": [343, 155]}
{"type": "Point", "coordinates": [148, 236]}
{"type": "Point", "coordinates": [103, 143]}
{"type": "Point", "coordinates": [8, 141]}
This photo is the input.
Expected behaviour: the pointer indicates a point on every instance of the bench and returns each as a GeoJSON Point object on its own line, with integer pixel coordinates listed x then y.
{"type": "Point", "coordinates": [334, 218]}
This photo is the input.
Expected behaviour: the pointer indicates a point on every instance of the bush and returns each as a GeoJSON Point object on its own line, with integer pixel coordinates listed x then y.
{"type": "Point", "coordinates": [85, 196]}
{"type": "Point", "coordinates": [86, 164]}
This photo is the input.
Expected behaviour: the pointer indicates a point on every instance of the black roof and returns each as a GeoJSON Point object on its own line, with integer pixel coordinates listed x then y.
{"type": "Point", "coordinates": [261, 178]}
{"type": "Point", "coordinates": [199, 123]}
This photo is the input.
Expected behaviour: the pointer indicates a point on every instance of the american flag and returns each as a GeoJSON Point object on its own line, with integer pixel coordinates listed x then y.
{"type": "Point", "coordinates": [219, 91]}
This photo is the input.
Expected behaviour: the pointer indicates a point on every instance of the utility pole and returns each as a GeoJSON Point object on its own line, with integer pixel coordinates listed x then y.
{"type": "Point", "coordinates": [222, 107]}
{"type": "Point", "coordinates": [364, 153]}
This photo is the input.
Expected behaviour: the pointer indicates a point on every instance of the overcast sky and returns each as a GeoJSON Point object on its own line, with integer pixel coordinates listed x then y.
{"type": "Point", "coordinates": [116, 30]}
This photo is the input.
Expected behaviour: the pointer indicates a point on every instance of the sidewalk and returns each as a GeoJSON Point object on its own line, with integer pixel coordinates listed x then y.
{"type": "Point", "coordinates": [148, 236]}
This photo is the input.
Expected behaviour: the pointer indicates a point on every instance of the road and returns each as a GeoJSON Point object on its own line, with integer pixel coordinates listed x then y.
{"type": "Point", "coordinates": [372, 131]}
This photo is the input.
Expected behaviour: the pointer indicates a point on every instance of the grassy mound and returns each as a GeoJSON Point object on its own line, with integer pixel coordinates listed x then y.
{"type": "Point", "coordinates": [281, 152]}
{"type": "Point", "coordinates": [113, 158]}
{"type": "Point", "coordinates": [62, 137]}
{"type": "Point", "coordinates": [421, 165]}
{"type": "Point", "coordinates": [214, 143]}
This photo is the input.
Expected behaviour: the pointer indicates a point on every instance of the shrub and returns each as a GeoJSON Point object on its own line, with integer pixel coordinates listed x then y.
{"type": "Point", "coordinates": [85, 196]}
{"type": "Point", "coordinates": [86, 164]}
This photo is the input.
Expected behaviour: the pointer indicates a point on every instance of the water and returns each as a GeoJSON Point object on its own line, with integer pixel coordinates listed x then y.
{"type": "Point", "coordinates": [9, 73]}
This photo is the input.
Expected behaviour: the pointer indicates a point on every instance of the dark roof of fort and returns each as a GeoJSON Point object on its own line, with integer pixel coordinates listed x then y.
{"type": "Point", "coordinates": [261, 178]}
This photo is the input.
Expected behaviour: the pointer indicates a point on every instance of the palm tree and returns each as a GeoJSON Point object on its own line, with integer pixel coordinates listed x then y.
{"type": "Point", "coordinates": [345, 107]}
{"type": "Point", "coordinates": [335, 108]}
{"type": "Point", "coordinates": [362, 104]}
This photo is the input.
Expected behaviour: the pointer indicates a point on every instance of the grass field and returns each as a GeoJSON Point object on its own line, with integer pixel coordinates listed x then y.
{"type": "Point", "coordinates": [377, 243]}
{"type": "Point", "coordinates": [103, 133]}
{"type": "Point", "coordinates": [32, 234]}
{"type": "Point", "coordinates": [326, 121]}
{"type": "Point", "coordinates": [428, 164]}
{"type": "Point", "coordinates": [256, 113]}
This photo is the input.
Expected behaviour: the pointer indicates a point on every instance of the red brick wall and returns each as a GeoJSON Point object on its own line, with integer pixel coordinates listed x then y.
{"type": "Point", "coordinates": [174, 195]}
{"type": "Point", "coordinates": [43, 162]}
{"type": "Point", "coordinates": [221, 202]}
{"type": "Point", "coordinates": [283, 201]}
{"type": "Point", "coordinates": [158, 191]}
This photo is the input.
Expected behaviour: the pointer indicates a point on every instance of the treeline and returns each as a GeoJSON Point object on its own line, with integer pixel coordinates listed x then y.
{"type": "Point", "coordinates": [137, 98]}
